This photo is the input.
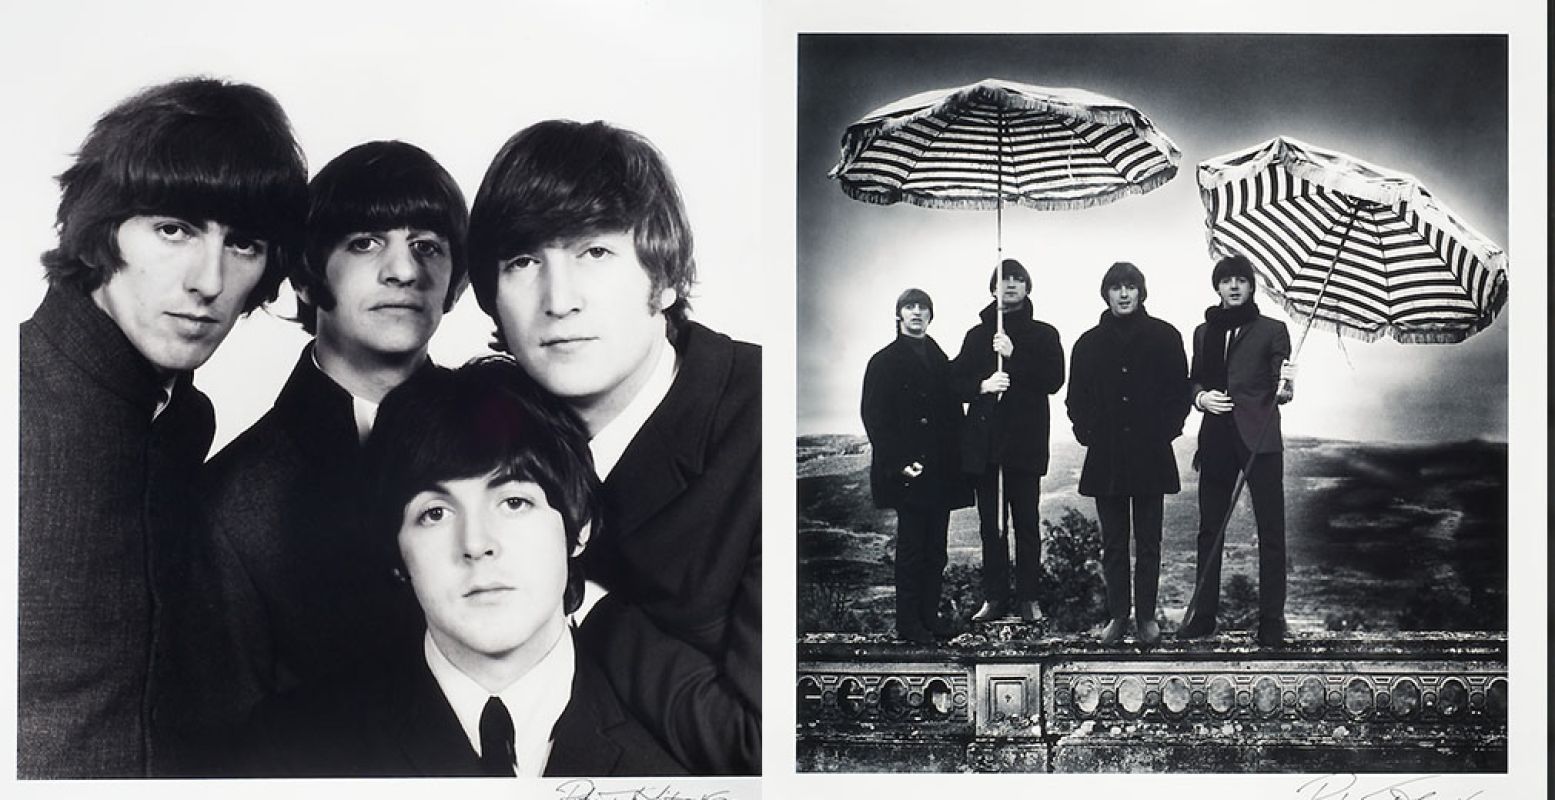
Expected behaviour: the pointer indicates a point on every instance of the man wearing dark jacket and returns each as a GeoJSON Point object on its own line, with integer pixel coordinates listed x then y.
{"type": "Point", "coordinates": [288, 597]}
{"type": "Point", "coordinates": [179, 215]}
{"type": "Point", "coordinates": [581, 253]}
{"type": "Point", "coordinates": [1006, 379]}
{"type": "Point", "coordinates": [913, 421]}
{"type": "Point", "coordinates": [1240, 378]}
{"type": "Point", "coordinates": [1128, 398]}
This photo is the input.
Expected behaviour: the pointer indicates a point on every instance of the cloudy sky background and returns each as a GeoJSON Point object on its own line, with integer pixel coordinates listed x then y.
{"type": "Point", "coordinates": [1432, 106]}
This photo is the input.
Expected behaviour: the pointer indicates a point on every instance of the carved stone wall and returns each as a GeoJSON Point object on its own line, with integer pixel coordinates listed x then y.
{"type": "Point", "coordinates": [1431, 702]}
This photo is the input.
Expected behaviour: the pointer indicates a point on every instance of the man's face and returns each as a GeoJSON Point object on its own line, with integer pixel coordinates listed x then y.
{"type": "Point", "coordinates": [1123, 299]}
{"type": "Point", "coordinates": [914, 319]}
{"type": "Point", "coordinates": [1234, 290]}
{"type": "Point", "coordinates": [487, 559]}
{"type": "Point", "coordinates": [181, 287]}
{"type": "Point", "coordinates": [581, 317]}
{"type": "Point", "coordinates": [389, 289]}
{"type": "Point", "coordinates": [1012, 291]}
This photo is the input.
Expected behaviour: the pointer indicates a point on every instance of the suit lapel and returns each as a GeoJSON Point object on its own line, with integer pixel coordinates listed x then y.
{"type": "Point", "coordinates": [425, 729]}
{"type": "Point", "coordinates": [581, 743]}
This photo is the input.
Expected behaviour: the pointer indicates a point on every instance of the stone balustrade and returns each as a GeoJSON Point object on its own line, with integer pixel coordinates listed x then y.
{"type": "Point", "coordinates": [1008, 700]}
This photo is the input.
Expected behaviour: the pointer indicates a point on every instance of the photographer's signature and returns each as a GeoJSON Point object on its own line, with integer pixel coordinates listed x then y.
{"type": "Point", "coordinates": [584, 789]}
{"type": "Point", "coordinates": [1347, 786]}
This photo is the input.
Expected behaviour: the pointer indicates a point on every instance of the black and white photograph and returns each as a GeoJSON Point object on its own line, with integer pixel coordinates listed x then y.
{"type": "Point", "coordinates": [1053, 289]}
{"type": "Point", "coordinates": [387, 403]}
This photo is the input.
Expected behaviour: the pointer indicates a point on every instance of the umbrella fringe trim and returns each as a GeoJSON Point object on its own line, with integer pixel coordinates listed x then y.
{"type": "Point", "coordinates": [894, 196]}
{"type": "Point", "coordinates": [1453, 335]}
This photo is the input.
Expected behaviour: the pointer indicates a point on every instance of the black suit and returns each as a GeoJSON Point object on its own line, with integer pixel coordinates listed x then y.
{"type": "Point", "coordinates": [392, 721]}
{"type": "Point", "coordinates": [680, 633]}
{"type": "Point", "coordinates": [293, 588]}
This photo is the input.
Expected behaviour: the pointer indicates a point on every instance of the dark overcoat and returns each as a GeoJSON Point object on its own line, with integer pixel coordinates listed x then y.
{"type": "Point", "coordinates": [1253, 361]}
{"type": "Point", "coordinates": [393, 721]}
{"type": "Point", "coordinates": [294, 587]}
{"type": "Point", "coordinates": [101, 536]}
{"type": "Point", "coordinates": [911, 415]}
{"type": "Point", "coordinates": [679, 636]}
{"type": "Point", "coordinates": [1012, 431]}
{"type": "Point", "coordinates": [1128, 399]}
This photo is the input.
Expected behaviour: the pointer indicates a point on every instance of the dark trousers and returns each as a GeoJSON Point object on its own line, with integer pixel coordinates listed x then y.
{"type": "Point", "coordinates": [1112, 512]}
{"type": "Point", "coordinates": [1022, 490]}
{"type": "Point", "coordinates": [920, 567]}
{"type": "Point", "coordinates": [1221, 457]}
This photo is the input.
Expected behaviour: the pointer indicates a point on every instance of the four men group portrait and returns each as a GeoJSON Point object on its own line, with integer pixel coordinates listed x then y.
{"type": "Point", "coordinates": [944, 430]}
{"type": "Point", "coordinates": [546, 561]}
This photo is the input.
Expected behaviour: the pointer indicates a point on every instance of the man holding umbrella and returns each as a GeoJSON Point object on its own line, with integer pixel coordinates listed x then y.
{"type": "Point", "coordinates": [913, 419]}
{"type": "Point", "coordinates": [1006, 376]}
{"type": "Point", "coordinates": [1238, 358]}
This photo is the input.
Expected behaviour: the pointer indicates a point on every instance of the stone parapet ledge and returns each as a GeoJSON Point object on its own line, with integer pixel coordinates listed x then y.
{"type": "Point", "coordinates": [1008, 698]}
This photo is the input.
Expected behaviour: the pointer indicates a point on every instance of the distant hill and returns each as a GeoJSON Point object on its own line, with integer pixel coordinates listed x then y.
{"type": "Point", "coordinates": [1379, 536]}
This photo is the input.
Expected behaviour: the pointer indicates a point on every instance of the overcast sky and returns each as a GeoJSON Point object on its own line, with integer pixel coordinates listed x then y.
{"type": "Point", "coordinates": [1432, 106]}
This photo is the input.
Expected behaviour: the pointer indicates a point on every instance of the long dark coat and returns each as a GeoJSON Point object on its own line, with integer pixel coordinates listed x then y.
{"type": "Point", "coordinates": [293, 587]}
{"type": "Point", "coordinates": [392, 721]}
{"type": "Point", "coordinates": [679, 636]}
{"type": "Point", "coordinates": [911, 415]}
{"type": "Point", "coordinates": [101, 536]}
{"type": "Point", "coordinates": [1128, 399]}
{"type": "Point", "coordinates": [1012, 431]}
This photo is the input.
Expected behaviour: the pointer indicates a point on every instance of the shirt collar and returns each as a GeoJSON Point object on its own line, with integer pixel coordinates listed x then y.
{"type": "Point", "coordinates": [612, 440]}
{"type": "Point", "coordinates": [535, 701]}
{"type": "Point", "coordinates": [363, 411]}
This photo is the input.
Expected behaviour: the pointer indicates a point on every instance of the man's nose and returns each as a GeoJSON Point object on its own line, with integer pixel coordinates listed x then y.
{"type": "Point", "coordinates": [400, 267]}
{"type": "Point", "coordinates": [559, 288]}
{"type": "Point", "coordinates": [475, 539]}
{"type": "Point", "coordinates": [204, 276]}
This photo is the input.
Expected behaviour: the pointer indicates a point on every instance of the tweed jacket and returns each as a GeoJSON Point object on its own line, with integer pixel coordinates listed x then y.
{"type": "Point", "coordinates": [1253, 360]}
{"type": "Point", "coordinates": [294, 588]}
{"type": "Point", "coordinates": [392, 721]}
{"type": "Point", "coordinates": [1012, 430]}
{"type": "Point", "coordinates": [101, 535]}
{"type": "Point", "coordinates": [1128, 399]}
{"type": "Point", "coordinates": [679, 636]}
{"type": "Point", "coordinates": [911, 416]}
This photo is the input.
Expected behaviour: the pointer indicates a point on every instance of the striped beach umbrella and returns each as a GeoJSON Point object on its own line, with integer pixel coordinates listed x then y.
{"type": "Point", "coordinates": [998, 142]}
{"type": "Point", "coordinates": [1352, 247]}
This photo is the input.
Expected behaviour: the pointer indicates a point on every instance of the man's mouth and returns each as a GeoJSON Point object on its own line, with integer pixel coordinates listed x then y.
{"type": "Point", "coordinates": [193, 322]}
{"type": "Point", "coordinates": [488, 590]}
{"type": "Point", "coordinates": [566, 342]}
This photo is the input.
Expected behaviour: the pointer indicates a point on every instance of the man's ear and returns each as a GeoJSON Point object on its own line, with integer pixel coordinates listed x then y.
{"type": "Point", "coordinates": [583, 540]}
{"type": "Point", "coordinates": [303, 295]}
{"type": "Point", "coordinates": [667, 297]}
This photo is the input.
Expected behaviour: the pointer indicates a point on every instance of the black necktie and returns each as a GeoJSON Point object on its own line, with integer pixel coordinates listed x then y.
{"type": "Point", "coordinates": [496, 739]}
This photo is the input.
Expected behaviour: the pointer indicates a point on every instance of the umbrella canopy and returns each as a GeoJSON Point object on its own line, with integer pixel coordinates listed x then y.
{"type": "Point", "coordinates": [1350, 246]}
{"type": "Point", "coordinates": [996, 142]}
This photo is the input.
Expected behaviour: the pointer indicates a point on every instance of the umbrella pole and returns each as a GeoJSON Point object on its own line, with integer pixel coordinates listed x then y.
{"type": "Point", "coordinates": [1241, 478]}
{"type": "Point", "coordinates": [998, 313]}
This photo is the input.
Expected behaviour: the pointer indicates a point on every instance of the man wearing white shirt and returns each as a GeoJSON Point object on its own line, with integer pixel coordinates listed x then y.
{"type": "Point", "coordinates": [286, 597]}
{"type": "Point", "coordinates": [486, 484]}
{"type": "Point", "coordinates": [581, 253]}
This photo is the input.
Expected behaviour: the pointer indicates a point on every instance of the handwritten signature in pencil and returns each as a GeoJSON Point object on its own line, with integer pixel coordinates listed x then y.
{"type": "Point", "coordinates": [1346, 786]}
{"type": "Point", "coordinates": [584, 789]}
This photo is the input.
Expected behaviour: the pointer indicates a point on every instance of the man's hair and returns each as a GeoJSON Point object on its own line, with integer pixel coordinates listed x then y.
{"type": "Point", "coordinates": [560, 178]}
{"type": "Point", "coordinates": [1011, 269]}
{"type": "Point", "coordinates": [199, 149]}
{"type": "Point", "coordinates": [487, 417]}
{"type": "Point", "coordinates": [1233, 266]}
{"type": "Point", "coordinates": [1120, 273]}
{"type": "Point", "coordinates": [378, 186]}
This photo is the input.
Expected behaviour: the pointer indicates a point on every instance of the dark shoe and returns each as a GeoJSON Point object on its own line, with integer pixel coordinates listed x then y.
{"type": "Point", "coordinates": [1149, 633]}
{"type": "Point", "coordinates": [990, 611]}
{"type": "Point", "coordinates": [939, 628]}
{"type": "Point", "coordinates": [1271, 633]}
{"type": "Point", "coordinates": [1115, 630]}
{"type": "Point", "coordinates": [1029, 610]}
{"type": "Point", "coordinates": [1197, 628]}
{"type": "Point", "coordinates": [919, 636]}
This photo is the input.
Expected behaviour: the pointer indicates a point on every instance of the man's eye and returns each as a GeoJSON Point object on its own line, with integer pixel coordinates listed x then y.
{"type": "Point", "coordinates": [245, 246]}
{"type": "Point", "coordinates": [596, 252]}
{"type": "Point", "coordinates": [516, 503]}
{"type": "Point", "coordinates": [427, 248]}
{"type": "Point", "coordinates": [362, 244]}
{"type": "Point", "coordinates": [177, 231]}
{"type": "Point", "coordinates": [432, 516]}
{"type": "Point", "coordinates": [519, 263]}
